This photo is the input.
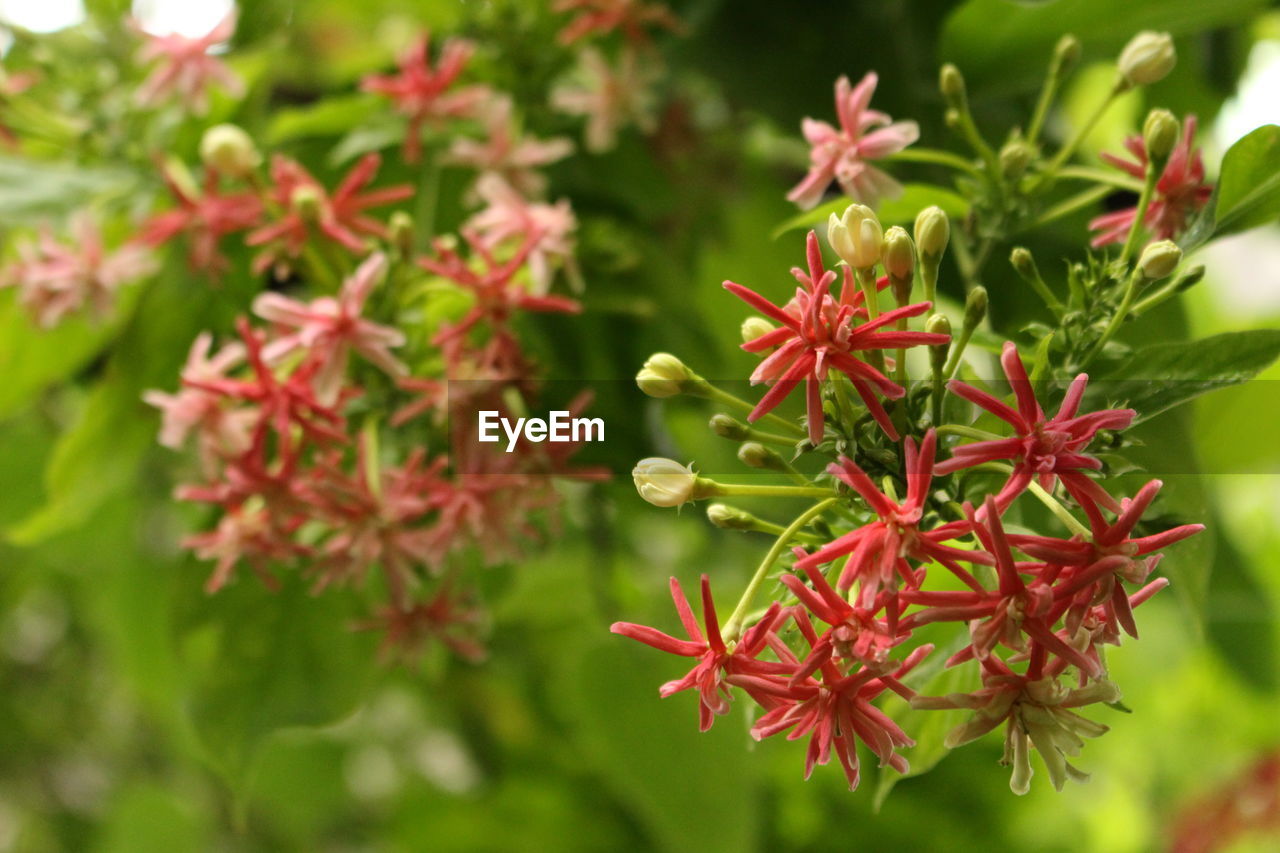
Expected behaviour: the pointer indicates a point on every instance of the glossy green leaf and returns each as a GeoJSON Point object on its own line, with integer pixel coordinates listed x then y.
{"type": "Point", "coordinates": [899, 211]}
{"type": "Point", "coordinates": [1157, 378]}
{"type": "Point", "coordinates": [1248, 190]}
{"type": "Point", "coordinates": [331, 117]}
{"type": "Point", "coordinates": [33, 189]}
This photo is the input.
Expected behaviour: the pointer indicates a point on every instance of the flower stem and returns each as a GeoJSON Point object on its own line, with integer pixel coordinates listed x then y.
{"type": "Point", "coordinates": [721, 396]}
{"type": "Point", "coordinates": [707, 488]}
{"type": "Point", "coordinates": [933, 155]}
{"type": "Point", "coordinates": [1122, 311]}
{"type": "Point", "coordinates": [733, 628]}
{"type": "Point", "coordinates": [1065, 152]}
{"type": "Point", "coordinates": [1144, 202]}
{"type": "Point", "coordinates": [1073, 524]}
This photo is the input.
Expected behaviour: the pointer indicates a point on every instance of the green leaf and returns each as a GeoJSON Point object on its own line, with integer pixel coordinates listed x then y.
{"type": "Point", "coordinates": [1159, 377]}
{"type": "Point", "coordinates": [35, 189]}
{"type": "Point", "coordinates": [330, 117]}
{"type": "Point", "coordinates": [693, 790]}
{"type": "Point", "coordinates": [898, 211]}
{"type": "Point", "coordinates": [264, 662]}
{"type": "Point", "coordinates": [1248, 190]}
{"type": "Point", "coordinates": [1003, 47]}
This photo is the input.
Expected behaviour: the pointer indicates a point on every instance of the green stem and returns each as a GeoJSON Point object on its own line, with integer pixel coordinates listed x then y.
{"type": "Point", "coordinates": [1122, 311]}
{"type": "Point", "coordinates": [711, 489]}
{"type": "Point", "coordinates": [733, 628]}
{"type": "Point", "coordinates": [1101, 176]}
{"type": "Point", "coordinates": [936, 157]}
{"type": "Point", "coordinates": [968, 432]}
{"type": "Point", "coordinates": [1069, 206]}
{"type": "Point", "coordinates": [1073, 524]}
{"type": "Point", "coordinates": [1144, 201]}
{"type": "Point", "coordinates": [719, 395]}
{"type": "Point", "coordinates": [1073, 143]}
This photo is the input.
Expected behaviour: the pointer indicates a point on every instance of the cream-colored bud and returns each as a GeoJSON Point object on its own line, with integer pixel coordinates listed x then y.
{"type": "Point", "coordinates": [228, 150]}
{"type": "Point", "coordinates": [664, 482]}
{"type": "Point", "coordinates": [663, 375]}
{"type": "Point", "coordinates": [402, 237]}
{"type": "Point", "coordinates": [754, 327]}
{"type": "Point", "coordinates": [305, 200]}
{"type": "Point", "coordinates": [730, 518]}
{"type": "Point", "coordinates": [975, 307]}
{"type": "Point", "coordinates": [1160, 259]}
{"type": "Point", "coordinates": [727, 427]}
{"type": "Point", "coordinates": [1015, 156]}
{"type": "Point", "coordinates": [1159, 135]}
{"type": "Point", "coordinates": [899, 253]}
{"type": "Point", "coordinates": [1147, 58]}
{"type": "Point", "coordinates": [932, 230]}
{"type": "Point", "coordinates": [856, 236]}
{"type": "Point", "coordinates": [755, 455]}
{"type": "Point", "coordinates": [951, 84]}
{"type": "Point", "coordinates": [1066, 54]}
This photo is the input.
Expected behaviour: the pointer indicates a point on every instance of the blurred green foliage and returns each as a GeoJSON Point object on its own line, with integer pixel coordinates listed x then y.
{"type": "Point", "coordinates": [140, 715]}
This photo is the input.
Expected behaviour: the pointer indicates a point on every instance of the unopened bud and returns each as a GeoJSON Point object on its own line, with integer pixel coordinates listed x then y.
{"type": "Point", "coordinates": [975, 307]}
{"type": "Point", "coordinates": [727, 427]}
{"type": "Point", "coordinates": [951, 118]}
{"type": "Point", "coordinates": [951, 83]}
{"type": "Point", "coordinates": [1190, 278]}
{"type": "Point", "coordinates": [228, 150]}
{"type": "Point", "coordinates": [1024, 264]}
{"type": "Point", "coordinates": [663, 375]}
{"type": "Point", "coordinates": [402, 236]}
{"type": "Point", "coordinates": [899, 253]}
{"type": "Point", "coordinates": [755, 455]}
{"type": "Point", "coordinates": [938, 324]}
{"type": "Point", "coordinates": [1159, 135]}
{"type": "Point", "coordinates": [664, 482]}
{"type": "Point", "coordinates": [1066, 54]}
{"type": "Point", "coordinates": [1147, 58]}
{"type": "Point", "coordinates": [755, 327]}
{"type": "Point", "coordinates": [1015, 156]}
{"type": "Point", "coordinates": [1160, 259]}
{"type": "Point", "coordinates": [306, 202]}
{"type": "Point", "coordinates": [856, 236]}
{"type": "Point", "coordinates": [932, 230]}
{"type": "Point", "coordinates": [730, 518]}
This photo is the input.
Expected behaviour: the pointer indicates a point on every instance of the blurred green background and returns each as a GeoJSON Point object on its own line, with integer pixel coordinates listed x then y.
{"type": "Point", "coordinates": [139, 714]}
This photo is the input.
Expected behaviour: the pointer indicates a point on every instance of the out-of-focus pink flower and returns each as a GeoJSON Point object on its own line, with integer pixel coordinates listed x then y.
{"type": "Point", "coordinates": [245, 534]}
{"type": "Point", "coordinates": [511, 219]}
{"type": "Point", "coordinates": [447, 616]}
{"type": "Point", "coordinates": [221, 431]}
{"type": "Point", "coordinates": [341, 216]}
{"type": "Point", "coordinates": [714, 659]}
{"type": "Point", "coordinates": [1044, 449]}
{"type": "Point", "coordinates": [204, 217]}
{"type": "Point", "coordinates": [54, 279]}
{"type": "Point", "coordinates": [1180, 192]}
{"type": "Point", "coordinates": [818, 334]}
{"type": "Point", "coordinates": [609, 98]}
{"type": "Point", "coordinates": [629, 17]}
{"type": "Point", "coordinates": [505, 152]}
{"type": "Point", "coordinates": [423, 93]}
{"type": "Point", "coordinates": [843, 154]}
{"type": "Point", "coordinates": [186, 70]}
{"type": "Point", "coordinates": [330, 328]}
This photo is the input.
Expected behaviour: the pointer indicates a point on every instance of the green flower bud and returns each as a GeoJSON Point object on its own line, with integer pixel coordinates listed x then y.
{"type": "Point", "coordinates": [932, 231]}
{"type": "Point", "coordinates": [1024, 264]}
{"type": "Point", "coordinates": [754, 327]}
{"type": "Point", "coordinates": [1159, 135]}
{"type": "Point", "coordinates": [1160, 259]}
{"type": "Point", "coordinates": [402, 236]}
{"type": "Point", "coordinates": [753, 454]}
{"type": "Point", "coordinates": [1190, 278]}
{"type": "Point", "coordinates": [306, 201]}
{"type": "Point", "coordinates": [899, 253]}
{"type": "Point", "coordinates": [1015, 156]}
{"type": "Point", "coordinates": [228, 150]}
{"type": "Point", "coordinates": [951, 83]}
{"type": "Point", "coordinates": [1147, 58]}
{"type": "Point", "coordinates": [975, 307]}
{"type": "Point", "coordinates": [663, 375]}
{"type": "Point", "coordinates": [1066, 54]}
{"type": "Point", "coordinates": [856, 236]}
{"type": "Point", "coordinates": [730, 518]}
{"type": "Point", "coordinates": [727, 427]}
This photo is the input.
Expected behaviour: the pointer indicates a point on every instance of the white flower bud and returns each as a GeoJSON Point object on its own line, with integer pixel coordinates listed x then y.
{"type": "Point", "coordinates": [1160, 259]}
{"type": "Point", "coordinates": [664, 482]}
{"type": "Point", "coordinates": [933, 230]}
{"type": "Point", "coordinates": [754, 327]}
{"type": "Point", "coordinates": [663, 375]}
{"type": "Point", "coordinates": [228, 150]}
{"type": "Point", "coordinates": [1147, 58]}
{"type": "Point", "coordinates": [856, 236]}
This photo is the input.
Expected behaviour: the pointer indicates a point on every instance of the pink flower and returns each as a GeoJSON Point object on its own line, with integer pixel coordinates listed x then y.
{"type": "Point", "coordinates": [1045, 449]}
{"type": "Point", "coordinates": [447, 616]}
{"type": "Point", "coordinates": [424, 93]}
{"type": "Point", "coordinates": [222, 432]}
{"type": "Point", "coordinates": [817, 334]}
{"type": "Point", "coordinates": [1096, 567]}
{"type": "Point", "coordinates": [54, 279]}
{"type": "Point", "coordinates": [509, 218]}
{"type": "Point", "coordinates": [630, 17]}
{"type": "Point", "coordinates": [714, 659]}
{"type": "Point", "coordinates": [251, 535]}
{"type": "Point", "coordinates": [609, 98]}
{"type": "Point", "coordinates": [506, 153]}
{"type": "Point", "coordinates": [1180, 192]}
{"type": "Point", "coordinates": [186, 69]}
{"type": "Point", "coordinates": [330, 328]}
{"type": "Point", "coordinates": [878, 551]}
{"type": "Point", "coordinates": [836, 712]}
{"type": "Point", "coordinates": [842, 154]}
{"type": "Point", "coordinates": [341, 216]}
{"type": "Point", "coordinates": [204, 217]}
